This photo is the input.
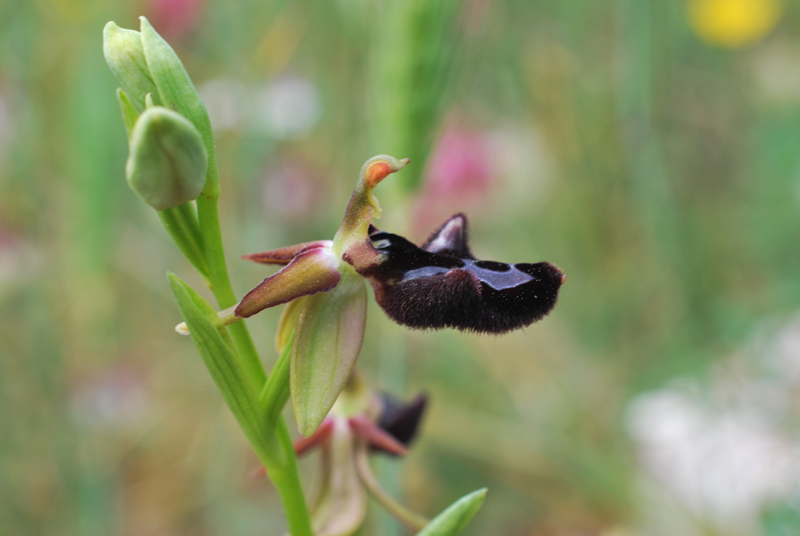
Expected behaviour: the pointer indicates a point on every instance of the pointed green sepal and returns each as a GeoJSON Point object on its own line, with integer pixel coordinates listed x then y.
{"type": "Point", "coordinates": [327, 341]}
{"type": "Point", "coordinates": [167, 161]}
{"type": "Point", "coordinates": [221, 360]}
{"type": "Point", "coordinates": [453, 520]}
{"type": "Point", "coordinates": [129, 111]}
{"type": "Point", "coordinates": [124, 55]}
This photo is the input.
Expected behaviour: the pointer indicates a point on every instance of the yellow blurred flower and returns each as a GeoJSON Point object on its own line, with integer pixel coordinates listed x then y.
{"type": "Point", "coordinates": [733, 23]}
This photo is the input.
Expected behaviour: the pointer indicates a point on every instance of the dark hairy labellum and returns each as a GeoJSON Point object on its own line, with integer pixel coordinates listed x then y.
{"type": "Point", "coordinates": [441, 284]}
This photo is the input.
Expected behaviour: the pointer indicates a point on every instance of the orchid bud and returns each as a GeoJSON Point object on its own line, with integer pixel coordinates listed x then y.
{"type": "Point", "coordinates": [174, 87]}
{"type": "Point", "coordinates": [124, 55]}
{"type": "Point", "coordinates": [167, 161]}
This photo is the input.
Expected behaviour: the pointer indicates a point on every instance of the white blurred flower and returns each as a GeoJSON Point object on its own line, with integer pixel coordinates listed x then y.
{"type": "Point", "coordinates": [776, 76]}
{"type": "Point", "coordinates": [289, 107]}
{"type": "Point", "coordinates": [720, 453]}
{"type": "Point", "coordinates": [225, 99]}
{"type": "Point", "coordinates": [520, 155]}
{"type": "Point", "coordinates": [784, 356]}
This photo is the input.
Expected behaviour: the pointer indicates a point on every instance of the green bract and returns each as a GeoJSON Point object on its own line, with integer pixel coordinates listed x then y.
{"type": "Point", "coordinates": [217, 350]}
{"type": "Point", "coordinates": [456, 516]}
{"type": "Point", "coordinates": [167, 161]}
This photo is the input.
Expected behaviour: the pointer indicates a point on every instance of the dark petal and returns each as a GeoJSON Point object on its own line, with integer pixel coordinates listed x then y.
{"type": "Point", "coordinates": [376, 437]}
{"type": "Point", "coordinates": [451, 238]}
{"type": "Point", "coordinates": [402, 420]}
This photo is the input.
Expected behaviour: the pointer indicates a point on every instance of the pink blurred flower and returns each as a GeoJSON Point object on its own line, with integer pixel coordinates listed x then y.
{"type": "Point", "coordinates": [174, 18]}
{"type": "Point", "coordinates": [291, 190]}
{"type": "Point", "coordinates": [458, 176]}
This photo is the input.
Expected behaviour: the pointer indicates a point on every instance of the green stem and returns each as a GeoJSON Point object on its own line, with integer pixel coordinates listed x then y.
{"type": "Point", "coordinates": [404, 514]}
{"type": "Point", "coordinates": [286, 479]}
{"type": "Point", "coordinates": [284, 476]}
{"type": "Point", "coordinates": [276, 391]}
{"type": "Point", "coordinates": [287, 482]}
{"type": "Point", "coordinates": [208, 215]}
{"type": "Point", "coordinates": [181, 224]}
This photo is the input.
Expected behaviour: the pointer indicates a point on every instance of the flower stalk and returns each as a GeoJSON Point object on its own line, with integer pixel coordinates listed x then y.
{"type": "Point", "coordinates": [152, 75]}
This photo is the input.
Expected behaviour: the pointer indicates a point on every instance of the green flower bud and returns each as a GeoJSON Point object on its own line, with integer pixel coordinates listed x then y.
{"type": "Point", "coordinates": [124, 55]}
{"type": "Point", "coordinates": [175, 88]}
{"type": "Point", "coordinates": [167, 161]}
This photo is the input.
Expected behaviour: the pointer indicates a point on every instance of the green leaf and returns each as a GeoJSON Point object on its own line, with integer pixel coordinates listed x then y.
{"type": "Point", "coordinates": [456, 516]}
{"type": "Point", "coordinates": [327, 341]}
{"type": "Point", "coordinates": [216, 349]}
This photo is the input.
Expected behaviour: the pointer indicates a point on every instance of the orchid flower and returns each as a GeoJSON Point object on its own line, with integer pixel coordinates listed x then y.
{"type": "Point", "coordinates": [438, 285]}
{"type": "Point", "coordinates": [360, 422]}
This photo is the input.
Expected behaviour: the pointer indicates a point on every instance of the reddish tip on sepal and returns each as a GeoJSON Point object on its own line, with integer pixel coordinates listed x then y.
{"type": "Point", "coordinates": [258, 472]}
{"type": "Point", "coordinates": [376, 437]}
{"type": "Point", "coordinates": [318, 438]}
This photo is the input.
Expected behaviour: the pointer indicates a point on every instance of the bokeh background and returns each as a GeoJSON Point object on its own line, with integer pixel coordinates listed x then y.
{"type": "Point", "coordinates": [649, 148]}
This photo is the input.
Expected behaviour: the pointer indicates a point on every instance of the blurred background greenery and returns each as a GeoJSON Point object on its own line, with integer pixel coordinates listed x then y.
{"type": "Point", "coordinates": [649, 148]}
